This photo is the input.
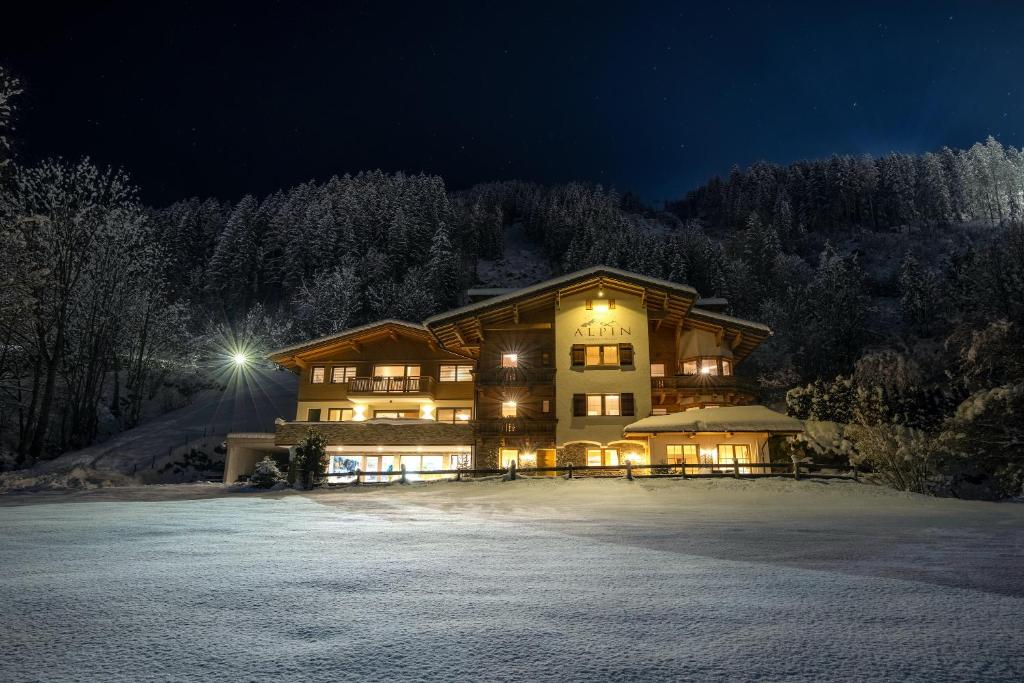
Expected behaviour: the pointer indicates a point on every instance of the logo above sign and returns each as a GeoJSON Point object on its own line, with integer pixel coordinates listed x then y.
{"type": "Point", "coordinates": [602, 328]}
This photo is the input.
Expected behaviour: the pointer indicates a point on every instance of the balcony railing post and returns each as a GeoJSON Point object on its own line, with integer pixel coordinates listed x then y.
{"type": "Point", "coordinates": [629, 470]}
{"type": "Point", "coordinates": [735, 468]}
{"type": "Point", "coordinates": [570, 471]}
{"type": "Point", "coordinates": [402, 480]}
{"type": "Point", "coordinates": [359, 474]}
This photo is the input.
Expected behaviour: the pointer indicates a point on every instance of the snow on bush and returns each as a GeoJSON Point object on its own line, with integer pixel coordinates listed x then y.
{"type": "Point", "coordinates": [266, 474]}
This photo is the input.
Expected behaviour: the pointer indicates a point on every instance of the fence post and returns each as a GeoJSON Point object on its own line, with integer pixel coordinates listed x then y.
{"type": "Point", "coordinates": [359, 473]}
{"type": "Point", "coordinates": [570, 471]}
{"type": "Point", "coordinates": [629, 470]}
{"type": "Point", "coordinates": [796, 469]}
{"type": "Point", "coordinates": [856, 477]}
{"type": "Point", "coordinates": [735, 468]}
{"type": "Point", "coordinates": [403, 480]}
{"type": "Point", "coordinates": [512, 470]}
{"type": "Point", "coordinates": [458, 475]}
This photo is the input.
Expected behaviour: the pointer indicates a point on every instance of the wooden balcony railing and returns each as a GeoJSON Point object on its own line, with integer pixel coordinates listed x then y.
{"type": "Point", "coordinates": [514, 426]}
{"type": "Point", "coordinates": [391, 385]}
{"type": "Point", "coordinates": [703, 382]}
{"type": "Point", "coordinates": [516, 377]}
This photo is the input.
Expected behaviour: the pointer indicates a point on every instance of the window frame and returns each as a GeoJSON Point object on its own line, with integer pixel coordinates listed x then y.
{"type": "Point", "coordinates": [455, 414]}
{"type": "Point", "coordinates": [313, 374]}
{"type": "Point", "coordinates": [623, 355]}
{"type": "Point", "coordinates": [509, 360]}
{"type": "Point", "coordinates": [459, 369]}
{"type": "Point", "coordinates": [509, 409]}
{"type": "Point", "coordinates": [345, 372]}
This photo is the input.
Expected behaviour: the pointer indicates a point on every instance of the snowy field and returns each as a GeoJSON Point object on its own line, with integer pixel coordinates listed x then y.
{"type": "Point", "coordinates": [521, 581]}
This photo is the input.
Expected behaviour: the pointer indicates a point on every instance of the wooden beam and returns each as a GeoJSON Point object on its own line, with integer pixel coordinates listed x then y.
{"type": "Point", "coordinates": [301, 363]}
{"type": "Point", "coordinates": [515, 313]}
{"type": "Point", "coordinates": [719, 336]}
{"type": "Point", "coordinates": [736, 340]}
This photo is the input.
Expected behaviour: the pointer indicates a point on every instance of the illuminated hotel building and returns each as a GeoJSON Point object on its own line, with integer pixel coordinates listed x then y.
{"type": "Point", "coordinates": [587, 368]}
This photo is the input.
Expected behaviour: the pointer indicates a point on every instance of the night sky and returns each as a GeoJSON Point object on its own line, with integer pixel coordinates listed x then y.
{"type": "Point", "coordinates": [204, 99]}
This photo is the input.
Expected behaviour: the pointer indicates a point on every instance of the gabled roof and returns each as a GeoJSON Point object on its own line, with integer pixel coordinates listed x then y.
{"type": "Point", "coordinates": [574, 277]}
{"type": "Point", "coordinates": [726, 419]}
{"type": "Point", "coordinates": [286, 356]}
{"type": "Point", "coordinates": [743, 335]}
{"type": "Point", "coordinates": [462, 328]}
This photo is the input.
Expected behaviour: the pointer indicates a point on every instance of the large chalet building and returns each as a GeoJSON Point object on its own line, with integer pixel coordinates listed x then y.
{"type": "Point", "coordinates": [596, 367]}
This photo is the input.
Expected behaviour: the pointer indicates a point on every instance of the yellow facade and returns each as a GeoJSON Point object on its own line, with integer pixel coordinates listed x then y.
{"type": "Point", "coordinates": [626, 323]}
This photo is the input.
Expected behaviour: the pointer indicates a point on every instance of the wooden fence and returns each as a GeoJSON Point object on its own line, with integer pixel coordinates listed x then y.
{"type": "Point", "coordinates": [630, 471]}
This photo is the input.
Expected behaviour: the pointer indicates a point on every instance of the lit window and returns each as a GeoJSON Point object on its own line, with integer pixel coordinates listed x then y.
{"type": "Point", "coordinates": [509, 409]}
{"type": "Point", "coordinates": [659, 411]}
{"type": "Point", "coordinates": [600, 305]}
{"type": "Point", "coordinates": [607, 354]}
{"type": "Point", "coordinates": [316, 375]}
{"type": "Point", "coordinates": [611, 404]}
{"type": "Point", "coordinates": [729, 454]}
{"type": "Point", "coordinates": [507, 455]}
{"type": "Point", "coordinates": [545, 406]}
{"type": "Point", "coordinates": [334, 415]}
{"type": "Point", "coordinates": [678, 454]}
{"type": "Point", "coordinates": [454, 415]}
{"type": "Point", "coordinates": [342, 373]}
{"type": "Point", "coordinates": [456, 373]}
{"type": "Point", "coordinates": [610, 355]}
{"type": "Point", "coordinates": [689, 367]}
{"type": "Point", "coordinates": [657, 369]}
{"type": "Point", "coordinates": [597, 457]}
{"type": "Point", "coordinates": [510, 360]}
{"type": "Point", "coordinates": [594, 404]}
{"type": "Point", "coordinates": [726, 366]}
{"type": "Point", "coordinates": [709, 366]}
{"type": "Point", "coordinates": [396, 371]}
{"type": "Point", "coordinates": [396, 414]}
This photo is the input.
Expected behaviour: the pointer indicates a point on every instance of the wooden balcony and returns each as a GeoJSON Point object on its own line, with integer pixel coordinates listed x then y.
{"type": "Point", "coordinates": [515, 426]}
{"type": "Point", "coordinates": [380, 386]}
{"type": "Point", "coordinates": [692, 383]}
{"type": "Point", "coordinates": [514, 377]}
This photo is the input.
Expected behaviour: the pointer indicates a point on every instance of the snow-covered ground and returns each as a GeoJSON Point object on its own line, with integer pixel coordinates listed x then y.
{"type": "Point", "coordinates": [547, 580]}
{"type": "Point", "coordinates": [250, 403]}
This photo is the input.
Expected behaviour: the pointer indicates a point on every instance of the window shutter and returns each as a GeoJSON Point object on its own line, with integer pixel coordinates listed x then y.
{"type": "Point", "coordinates": [625, 354]}
{"type": "Point", "coordinates": [578, 355]}
{"type": "Point", "coordinates": [579, 405]}
{"type": "Point", "coordinates": [627, 404]}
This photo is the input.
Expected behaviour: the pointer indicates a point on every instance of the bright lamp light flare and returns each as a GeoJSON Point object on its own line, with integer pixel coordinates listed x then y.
{"type": "Point", "coordinates": [241, 359]}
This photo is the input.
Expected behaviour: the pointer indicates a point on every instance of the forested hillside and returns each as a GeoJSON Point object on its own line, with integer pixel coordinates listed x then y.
{"type": "Point", "coordinates": [895, 287]}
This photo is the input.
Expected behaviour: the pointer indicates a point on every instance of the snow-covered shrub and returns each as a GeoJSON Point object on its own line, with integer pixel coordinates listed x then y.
{"type": "Point", "coordinates": [311, 458]}
{"type": "Point", "coordinates": [903, 458]}
{"type": "Point", "coordinates": [987, 432]}
{"type": "Point", "coordinates": [266, 474]}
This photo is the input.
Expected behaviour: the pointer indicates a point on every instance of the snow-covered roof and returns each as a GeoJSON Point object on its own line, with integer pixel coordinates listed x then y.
{"type": "Point", "coordinates": [593, 271]}
{"type": "Point", "coordinates": [726, 419]}
{"type": "Point", "coordinates": [696, 312]}
{"type": "Point", "coordinates": [345, 333]}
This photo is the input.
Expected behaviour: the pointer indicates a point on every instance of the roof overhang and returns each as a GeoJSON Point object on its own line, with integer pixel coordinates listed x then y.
{"type": "Point", "coordinates": [295, 357]}
{"type": "Point", "coordinates": [752, 418]}
{"type": "Point", "coordinates": [462, 329]}
{"type": "Point", "coordinates": [743, 336]}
